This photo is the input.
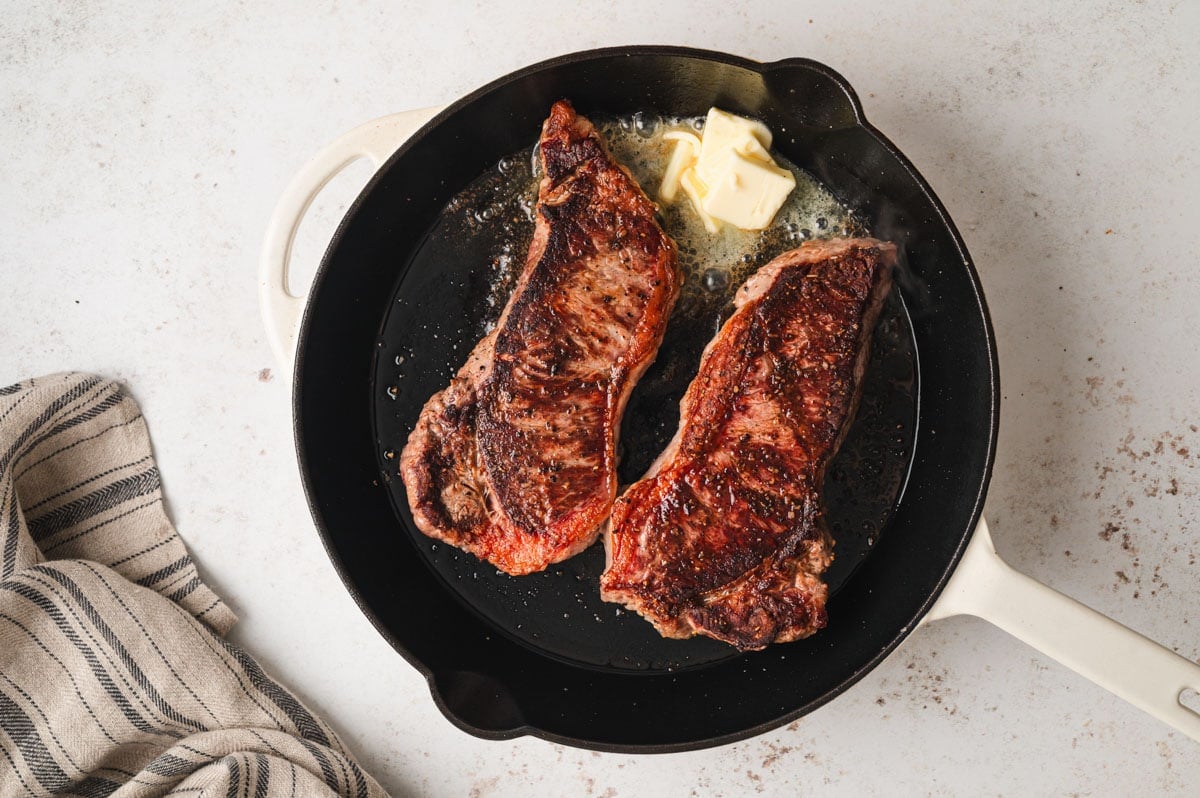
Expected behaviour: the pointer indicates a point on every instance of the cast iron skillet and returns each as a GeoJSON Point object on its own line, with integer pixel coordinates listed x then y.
{"type": "Point", "coordinates": [500, 658]}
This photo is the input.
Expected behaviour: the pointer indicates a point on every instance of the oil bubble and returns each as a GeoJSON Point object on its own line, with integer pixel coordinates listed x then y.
{"type": "Point", "coordinates": [715, 280]}
{"type": "Point", "coordinates": [644, 124]}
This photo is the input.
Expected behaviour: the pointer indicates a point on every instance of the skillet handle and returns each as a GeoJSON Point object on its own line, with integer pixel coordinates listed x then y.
{"type": "Point", "coordinates": [375, 141]}
{"type": "Point", "coordinates": [1135, 668]}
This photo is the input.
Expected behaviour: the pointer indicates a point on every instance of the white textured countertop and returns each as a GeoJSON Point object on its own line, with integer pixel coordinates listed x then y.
{"type": "Point", "coordinates": [144, 148]}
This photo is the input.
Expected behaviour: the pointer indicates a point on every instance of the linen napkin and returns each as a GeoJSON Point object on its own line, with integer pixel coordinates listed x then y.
{"type": "Point", "coordinates": [114, 677]}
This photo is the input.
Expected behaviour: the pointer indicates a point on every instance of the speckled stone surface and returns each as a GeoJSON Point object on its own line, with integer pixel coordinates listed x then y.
{"type": "Point", "coordinates": [144, 148]}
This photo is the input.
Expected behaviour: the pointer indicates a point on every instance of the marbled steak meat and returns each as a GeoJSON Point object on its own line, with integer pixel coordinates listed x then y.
{"type": "Point", "coordinates": [516, 461]}
{"type": "Point", "coordinates": [724, 536]}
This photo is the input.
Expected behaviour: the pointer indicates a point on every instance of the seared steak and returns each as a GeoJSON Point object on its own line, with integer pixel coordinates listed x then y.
{"type": "Point", "coordinates": [724, 536]}
{"type": "Point", "coordinates": [515, 461]}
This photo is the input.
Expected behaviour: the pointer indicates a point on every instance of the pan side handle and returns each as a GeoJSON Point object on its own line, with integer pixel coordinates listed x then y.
{"type": "Point", "coordinates": [376, 141]}
{"type": "Point", "coordinates": [1135, 668]}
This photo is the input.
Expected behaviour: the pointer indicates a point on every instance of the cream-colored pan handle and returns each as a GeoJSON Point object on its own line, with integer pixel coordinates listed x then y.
{"type": "Point", "coordinates": [1147, 675]}
{"type": "Point", "coordinates": [375, 141]}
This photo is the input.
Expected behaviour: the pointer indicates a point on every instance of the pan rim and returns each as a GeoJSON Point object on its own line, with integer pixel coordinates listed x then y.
{"type": "Point", "coordinates": [943, 217]}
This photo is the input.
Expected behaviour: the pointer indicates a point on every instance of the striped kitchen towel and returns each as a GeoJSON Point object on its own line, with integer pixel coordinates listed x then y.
{"type": "Point", "coordinates": [114, 677]}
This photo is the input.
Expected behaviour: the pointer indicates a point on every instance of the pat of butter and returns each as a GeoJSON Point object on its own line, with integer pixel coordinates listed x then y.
{"type": "Point", "coordinates": [725, 133]}
{"type": "Point", "coordinates": [696, 192]}
{"type": "Point", "coordinates": [687, 147]}
{"type": "Point", "coordinates": [727, 172]}
{"type": "Point", "coordinates": [747, 191]}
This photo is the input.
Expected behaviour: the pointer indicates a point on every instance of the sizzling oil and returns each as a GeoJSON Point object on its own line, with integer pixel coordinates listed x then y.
{"type": "Point", "coordinates": [715, 264]}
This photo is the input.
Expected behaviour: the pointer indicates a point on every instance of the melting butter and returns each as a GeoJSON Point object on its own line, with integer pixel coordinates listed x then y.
{"type": "Point", "coordinates": [715, 264]}
{"type": "Point", "coordinates": [727, 173]}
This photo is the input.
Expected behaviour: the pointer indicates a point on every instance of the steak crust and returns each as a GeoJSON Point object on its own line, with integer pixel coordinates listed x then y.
{"type": "Point", "coordinates": [724, 536]}
{"type": "Point", "coordinates": [515, 461]}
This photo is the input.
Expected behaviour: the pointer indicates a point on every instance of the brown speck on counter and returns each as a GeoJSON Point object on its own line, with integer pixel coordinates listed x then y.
{"type": "Point", "coordinates": [265, 375]}
{"type": "Point", "coordinates": [1110, 529]}
{"type": "Point", "coordinates": [774, 753]}
{"type": "Point", "coordinates": [483, 787]}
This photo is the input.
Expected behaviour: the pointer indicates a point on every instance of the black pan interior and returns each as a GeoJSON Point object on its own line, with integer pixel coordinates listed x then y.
{"type": "Point", "coordinates": [485, 674]}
